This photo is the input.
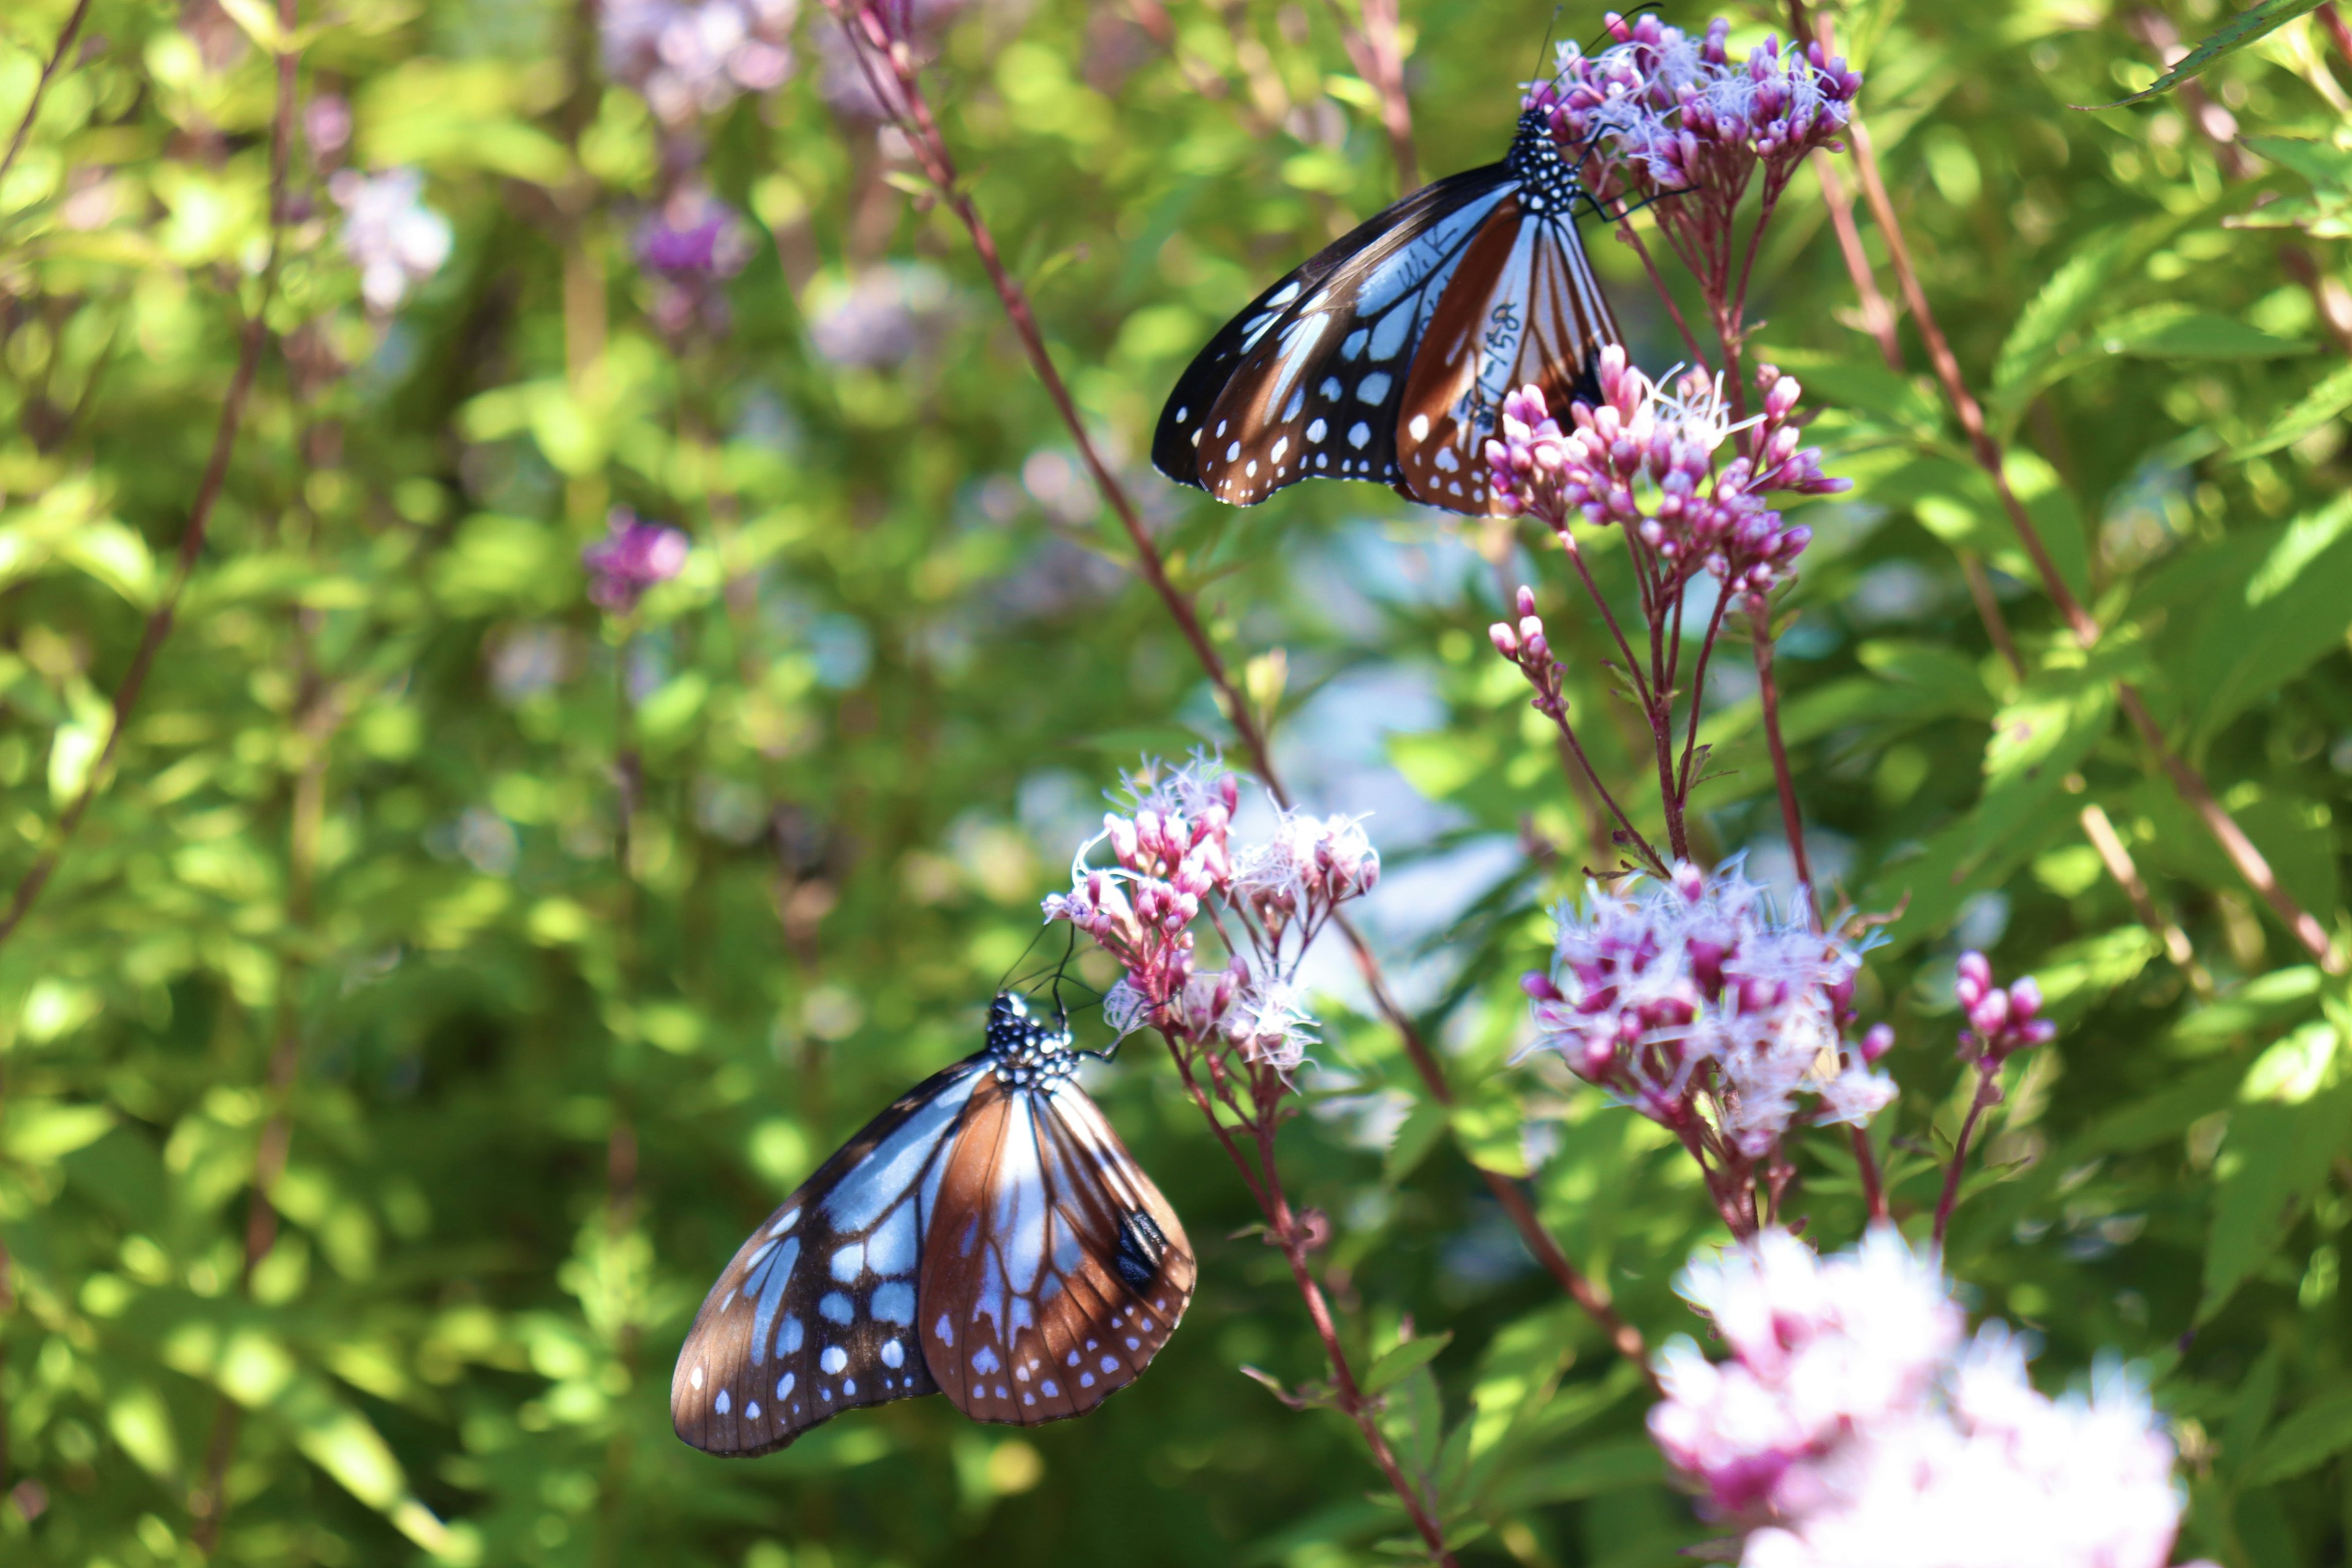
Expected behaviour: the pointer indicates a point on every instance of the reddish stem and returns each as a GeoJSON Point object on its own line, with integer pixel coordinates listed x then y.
{"type": "Point", "coordinates": [1987, 1094]}
{"type": "Point", "coordinates": [1792, 822]}
{"type": "Point", "coordinates": [41, 86]}
{"type": "Point", "coordinates": [1874, 1187]}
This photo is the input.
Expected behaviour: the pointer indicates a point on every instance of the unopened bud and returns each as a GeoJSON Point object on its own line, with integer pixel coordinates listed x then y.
{"type": "Point", "coordinates": [1526, 600]}
{"type": "Point", "coordinates": [1877, 1042]}
{"type": "Point", "coordinates": [1505, 640]}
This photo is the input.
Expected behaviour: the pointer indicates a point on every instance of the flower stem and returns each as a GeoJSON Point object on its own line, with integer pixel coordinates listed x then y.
{"type": "Point", "coordinates": [1988, 1093]}
{"type": "Point", "coordinates": [1792, 822]}
{"type": "Point", "coordinates": [57, 59]}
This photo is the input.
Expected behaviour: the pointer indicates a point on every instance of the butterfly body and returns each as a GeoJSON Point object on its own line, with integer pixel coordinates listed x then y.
{"type": "Point", "coordinates": [1387, 356]}
{"type": "Point", "coordinates": [987, 1237]}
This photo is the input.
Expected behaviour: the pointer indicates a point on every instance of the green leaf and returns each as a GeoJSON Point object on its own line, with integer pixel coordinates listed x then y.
{"type": "Point", "coordinates": [2293, 607]}
{"type": "Point", "coordinates": [1423, 1129]}
{"type": "Point", "coordinates": [2250, 25]}
{"type": "Point", "coordinates": [1593, 1470]}
{"type": "Point", "coordinates": [40, 1131]}
{"type": "Point", "coordinates": [2276, 1157]}
{"type": "Point", "coordinates": [2078, 976]}
{"type": "Point", "coordinates": [2319, 1431]}
{"type": "Point", "coordinates": [2197, 335]}
{"type": "Point", "coordinates": [2315, 408]}
{"type": "Point", "coordinates": [2073, 294]}
{"type": "Point", "coordinates": [1397, 1364]}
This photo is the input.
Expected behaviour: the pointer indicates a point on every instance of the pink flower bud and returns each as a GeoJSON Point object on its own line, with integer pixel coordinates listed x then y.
{"type": "Point", "coordinates": [1539, 985]}
{"type": "Point", "coordinates": [1526, 601]}
{"type": "Point", "coordinates": [2024, 999]}
{"type": "Point", "coordinates": [1506, 641]}
{"type": "Point", "coordinates": [1877, 1042]}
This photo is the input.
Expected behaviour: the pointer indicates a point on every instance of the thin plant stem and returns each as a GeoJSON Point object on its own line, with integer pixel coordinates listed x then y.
{"type": "Point", "coordinates": [1792, 821]}
{"type": "Point", "coordinates": [1698, 688]}
{"type": "Point", "coordinates": [1630, 235]}
{"type": "Point", "coordinates": [931, 147]}
{"type": "Point", "coordinates": [2101, 832]}
{"type": "Point", "coordinates": [1988, 1093]}
{"type": "Point", "coordinates": [1372, 47]}
{"type": "Point", "coordinates": [1877, 315]}
{"type": "Point", "coordinates": [1874, 1186]}
{"type": "Point", "coordinates": [159, 620]}
{"type": "Point", "coordinates": [41, 86]}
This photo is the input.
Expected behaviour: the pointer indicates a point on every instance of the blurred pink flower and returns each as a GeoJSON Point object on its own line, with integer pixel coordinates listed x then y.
{"type": "Point", "coordinates": [389, 234]}
{"type": "Point", "coordinates": [1852, 1428]}
{"type": "Point", "coordinates": [631, 557]}
{"type": "Point", "coordinates": [689, 59]}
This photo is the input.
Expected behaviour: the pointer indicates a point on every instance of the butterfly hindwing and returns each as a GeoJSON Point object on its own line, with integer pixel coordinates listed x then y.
{"type": "Point", "coordinates": [1297, 386]}
{"type": "Point", "coordinates": [815, 1315]}
{"type": "Point", "coordinates": [1055, 1269]}
{"type": "Point", "coordinates": [1522, 309]}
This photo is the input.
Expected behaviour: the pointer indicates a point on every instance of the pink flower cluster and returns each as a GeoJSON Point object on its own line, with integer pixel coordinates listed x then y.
{"type": "Point", "coordinates": [1661, 111]}
{"type": "Point", "coordinates": [689, 59]}
{"type": "Point", "coordinates": [631, 557]}
{"type": "Point", "coordinates": [389, 234]}
{"type": "Point", "coordinates": [1693, 993]}
{"type": "Point", "coordinates": [2001, 1022]}
{"type": "Point", "coordinates": [1854, 1427]}
{"type": "Point", "coordinates": [1643, 458]}
{"type": "Point", "coordinates": [1173, 863]}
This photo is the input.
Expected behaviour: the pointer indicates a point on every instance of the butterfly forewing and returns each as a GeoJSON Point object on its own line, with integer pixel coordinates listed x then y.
{"type": "Point", "coordinates": [1055, 1269]}
{"type": "Point", "coordinates": [1523, 308]}
{"type": "Point", "coordinates": [1387, 356]}
{"type": "Point", "coordinates": [1305, 384]}
{"type": "Point", "coordinates": [816, 1313]}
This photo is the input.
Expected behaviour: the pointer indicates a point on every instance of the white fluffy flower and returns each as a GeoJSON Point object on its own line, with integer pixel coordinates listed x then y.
{"type": "Point", "coordinates": [1855, 1426]}
{"type": "Point", "coordinates": [389, 235]}
{"type": "Point", "coordinates": [1271, 1026]}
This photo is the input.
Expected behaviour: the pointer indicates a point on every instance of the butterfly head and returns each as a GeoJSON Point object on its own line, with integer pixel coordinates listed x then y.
{"type": "Point", "coordinates": [1547, 182]}
{"type": "Point", "coordinates": [1027, 1049]}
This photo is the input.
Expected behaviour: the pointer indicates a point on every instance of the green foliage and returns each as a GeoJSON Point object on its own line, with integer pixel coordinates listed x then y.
{"type": "Point", "coordinates": [360, 893]}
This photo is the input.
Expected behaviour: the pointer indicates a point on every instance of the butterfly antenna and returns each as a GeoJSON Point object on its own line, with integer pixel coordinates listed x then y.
{"type": "Point", "coordinates": [1544, 48]}
{"type": "Point", "coordinates": [1061, 1011]}
{"type": "Point", "coordinates": [1006, 982]}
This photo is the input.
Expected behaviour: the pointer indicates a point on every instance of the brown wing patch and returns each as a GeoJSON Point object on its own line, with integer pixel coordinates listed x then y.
{"type": "Point", "coordinates": [1053, 1276]}
{"type": "Point", "coordinates": [1524, 308]}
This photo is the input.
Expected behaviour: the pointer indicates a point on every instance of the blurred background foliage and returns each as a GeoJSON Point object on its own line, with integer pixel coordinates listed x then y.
{"type": "Point", "coordinates": [361, 892]}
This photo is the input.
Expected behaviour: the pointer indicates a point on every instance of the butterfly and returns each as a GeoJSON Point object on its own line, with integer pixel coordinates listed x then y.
{"type": "Point", "coordinates": [987, 1237]}
{"type": "Point", "coordinates": [1387, 356]}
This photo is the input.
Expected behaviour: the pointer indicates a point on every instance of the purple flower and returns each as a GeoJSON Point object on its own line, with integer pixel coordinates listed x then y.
{"type": "Point", "coordinates": [690, 59]}
{"type": "Point", "coordinates": [690, 245]}
{"type": "Point", "coordinates": [2001, 1022]}
{"type": "Point", "coordinates": [1643, 458]}
{"type": "Point", "coordinates": [1693, 1004]}
{"type": "Point", "coordinates": [631, 557]}
{"type": "Point", "coordinates": [883, 317]}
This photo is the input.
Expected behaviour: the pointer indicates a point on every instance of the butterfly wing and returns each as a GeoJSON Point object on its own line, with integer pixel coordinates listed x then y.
{"type": "Point", "coordinates": [1055, 1270]}
{"type": "Point", "coordinates": [1307, 381]}
{"type": "Point", "coordinates": [1522, 307]}
{"type": "Point", "coordinates": [816, 1315]}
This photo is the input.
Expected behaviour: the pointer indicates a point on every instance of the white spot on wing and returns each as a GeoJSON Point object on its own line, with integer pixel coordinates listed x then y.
{"type": "Point", "coordinates": [1419, 427]}
{"type": "Point", "coordinates": [833, 1359]}
{"type": "Point", "coordinates": [1373, 388]}
{"type": "Point", "coordinates": [894, 1354]}
{"type": "Point", "coordinates": [722, 1404]}
{"type": "Point", "coordinates": [1358, 434]}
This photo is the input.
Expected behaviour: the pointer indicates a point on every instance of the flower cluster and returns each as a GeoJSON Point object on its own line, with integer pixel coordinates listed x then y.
{"type": "Point", "coordinates": [1692, 993]}
{"type": "Point", "coordinates": [693, 57]}
{"type": "Point", "coordinates": [883, 317]}
{"type": "Point", "coordinates": [1854, 1427]}
{"type": "Point", "coordinates": [1659, 112]}
{"type": "Point", "coordinates": [2001, 1022]}
{"type": "Point", "coordinates": [631, 557]}
{"type": "Point", "coordinates": [689, 245]}
{"type": "Point", "coordinates": [1173, 862]}
{"type": "Point", "coordinates": [1643, 458]}
{"type": "Point", "coordinates": [389, 235]}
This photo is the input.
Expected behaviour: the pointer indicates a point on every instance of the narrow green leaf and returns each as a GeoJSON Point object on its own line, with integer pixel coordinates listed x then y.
{"type": "Point", "coordinates": [2315, 408]}
{"type": "Point", "coordinates": [2074, 291]}
{"type": "Point", "coordinates": [1396, 1364]}
{"type": "Point", "coordinates": [1416, 1136]}
{"type": "Point", "coordinates": [2294, 608]}
{"type": "Point", "coordinates": [2276, 1157]}
{"type": "Point", "coordinates": [2319, 1431]}
{"type": "Point", "coordinates": [2247, 26]}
